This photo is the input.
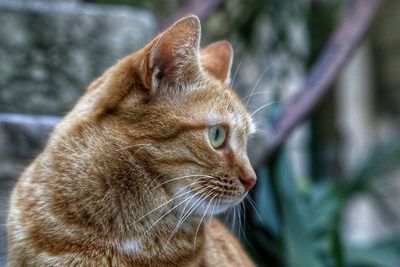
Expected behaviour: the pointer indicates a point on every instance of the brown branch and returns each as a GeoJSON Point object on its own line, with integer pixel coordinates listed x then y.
{"type": "Point", "coordinates": [335, 55]}
{"type": "Point", "coordinates": [200, 8]}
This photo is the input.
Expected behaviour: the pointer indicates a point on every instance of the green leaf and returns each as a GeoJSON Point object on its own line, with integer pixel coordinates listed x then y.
{"type": "Point", "coordinates": [383, 254]}
{"type": "Point", "coordinates": [383, 159]}
{"type": "Point", "coordinates": [296, 235]}
{"type": "Point", "coordinates": [266, 202]}
{"type": "Point", "coordinates": [324, 205]}
{"type": "Point", "coordinates": [373, 258]}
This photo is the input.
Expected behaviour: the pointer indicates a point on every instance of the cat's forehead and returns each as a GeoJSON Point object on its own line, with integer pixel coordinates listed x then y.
{"type": "Point", "coordinates": [217, 103]}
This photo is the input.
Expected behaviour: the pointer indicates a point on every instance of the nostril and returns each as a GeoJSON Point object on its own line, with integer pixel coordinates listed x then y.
{"type": "Point", "coordinates": [248, 181]}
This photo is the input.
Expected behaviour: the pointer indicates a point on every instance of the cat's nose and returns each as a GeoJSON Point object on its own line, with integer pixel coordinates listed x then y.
{"type": "Point", "coordinates": [248, 180]}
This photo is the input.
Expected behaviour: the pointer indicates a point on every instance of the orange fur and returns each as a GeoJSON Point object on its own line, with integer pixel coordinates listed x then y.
{"type": "Point", "coordinates": [106, 190]}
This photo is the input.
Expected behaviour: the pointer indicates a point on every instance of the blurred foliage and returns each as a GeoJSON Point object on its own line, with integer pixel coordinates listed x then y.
{"type": "Point", "coordinates": [301, 225]}
{"type": "Point", "coordinates": [236, 19]}
{"type": "Point", "coordinates": [325, 136]}
{"type": "Point", "coordinates": [136, 3]}
{"type": "Point", "coordinates": [161, 9]}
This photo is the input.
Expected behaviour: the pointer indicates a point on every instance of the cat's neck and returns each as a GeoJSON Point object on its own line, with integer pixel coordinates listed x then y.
{"type": "Point", "coordinates": [119, 210]}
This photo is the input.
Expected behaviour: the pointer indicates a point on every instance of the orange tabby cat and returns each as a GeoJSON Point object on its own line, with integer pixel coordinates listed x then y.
{"type": "Point", "coordinates": [155, 145]}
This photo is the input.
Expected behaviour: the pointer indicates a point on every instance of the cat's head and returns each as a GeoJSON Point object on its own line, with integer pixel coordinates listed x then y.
{"type": "Point", "coordinates": [172, 106]}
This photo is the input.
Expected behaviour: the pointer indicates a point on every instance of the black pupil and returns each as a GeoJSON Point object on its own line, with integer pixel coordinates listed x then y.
{"type": "Point", "coordinates": [217, 134]}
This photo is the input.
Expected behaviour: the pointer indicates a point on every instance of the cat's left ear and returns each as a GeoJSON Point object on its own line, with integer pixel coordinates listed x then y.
{"type": "Point", "coordinates": [217, 58]}
{"type": "Point", "coordinates": [172, 59]}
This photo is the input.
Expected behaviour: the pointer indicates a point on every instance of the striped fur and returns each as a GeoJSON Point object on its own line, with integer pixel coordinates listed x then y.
{"type": "Point", "coordinates": [120, 177]}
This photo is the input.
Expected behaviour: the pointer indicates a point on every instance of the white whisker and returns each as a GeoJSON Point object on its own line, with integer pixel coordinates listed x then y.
{"type": "Point", "coordinates": [244, 225]}
{"type": "Point", "coordinates": [264, 106]}
{"type": "Point", "coordinates": [234, 220]}
{"type": "Point", "coordinates": [159, 219]}
{"type": "Point", "coordinates": [133, 146]}
{"type": "Point", "coordinates": [241, 219]}
{"type": "Point", "coordinates": [169, 201]}
{"type": "Point", "coordinates": [215, 205]}
{"type": "Point", "coordinates": [238, 68]}
{"type": "Point", "coordinates": [182, 177]}
{"type": "Point", "coordinates": [257, 83]}
{"type": "Point", "coordinates": [151, 183]}
{"type": "Point", "coordinates": [181, 221]}
{"type": "Point", "coordinates": [256, 93]}
{"type": "Point", "coordinates": [198, 227]}
{"type": "Point", "coordinates": [254, 207]}
{"type": "Point", "coordinates": [193, 207]}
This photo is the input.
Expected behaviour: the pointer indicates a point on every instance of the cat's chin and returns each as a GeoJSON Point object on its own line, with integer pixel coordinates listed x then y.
{"type": "Point", "coordinates": [208, 207]}
{"type": "Point", "coordinates": [225, 204]}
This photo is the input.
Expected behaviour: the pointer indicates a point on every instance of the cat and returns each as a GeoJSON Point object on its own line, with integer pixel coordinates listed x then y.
{"type": "Point", "coordinates": [133, 174]}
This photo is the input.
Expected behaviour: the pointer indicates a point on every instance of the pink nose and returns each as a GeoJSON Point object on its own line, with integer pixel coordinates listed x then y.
{"type": "Point", "coordinates": [248, 180]}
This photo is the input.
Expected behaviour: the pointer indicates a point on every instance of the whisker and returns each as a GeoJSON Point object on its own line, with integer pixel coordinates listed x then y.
{"type": "Point", "coordinates": [238, 227]}
{"type": "Point", "coordinates": [198, 227]}
{"type": "Point", "coordinates": [159, 219]}
{"type": "Point", "coordinates": [183, 177]}
{"type": "Point", "coordinates": [212, 190]}
{"type": "Point", "coordinates": [252, 203]}
{"type": "Point", "coordinates": [256, 93]}
{"type": "Point", "coordinates": [169, 201]}
{"type": "Point", "coordinates": [151, 183]}
{"type": "Point", "coordinates": [215, 204]}
{"type": "Point", "coordinates": [183, 211]}
{"type": "Point", "coordinates": [238, 68]}
{"type": "Point", "coordinates": [227, 218]}
{"type": "Point", "coordinates": [244, 225]}
{"type": "Point", "coordinates": [212, 212]}
{"type": "Point", "coordinates": [262, 131]}
{"type": "Point", "coordinates": [181, 219]}
{"type": "Point", "coordinates": [193, 207]}
{"type": "Point", "coordinates": [133, 146]}
{"type": "Point", "coordinates": [257, 83]}
{"type": "Point", "coordinates": [264, 106]}
{"type": "Point", "coordinates": [241, 219]}
{"type": "Point", "coordinates": [234, 220]}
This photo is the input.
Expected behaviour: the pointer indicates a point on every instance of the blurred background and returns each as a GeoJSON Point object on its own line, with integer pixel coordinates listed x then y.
{"type": "Point", "coordinates": [328, 197]}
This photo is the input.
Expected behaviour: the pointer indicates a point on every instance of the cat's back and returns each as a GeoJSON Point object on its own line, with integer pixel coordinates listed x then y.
{"type": "Point", "coordinates": [17, 233]}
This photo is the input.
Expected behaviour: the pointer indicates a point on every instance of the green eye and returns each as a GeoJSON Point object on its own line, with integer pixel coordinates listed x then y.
{"type": "Point", "coordinates": [217, 135]}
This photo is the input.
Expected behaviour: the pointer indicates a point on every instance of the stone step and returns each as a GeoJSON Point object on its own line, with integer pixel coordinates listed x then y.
{"type": "Point", "coordinates": [50, 51]}
{"type": "Point", "coordinates": [22, 137]}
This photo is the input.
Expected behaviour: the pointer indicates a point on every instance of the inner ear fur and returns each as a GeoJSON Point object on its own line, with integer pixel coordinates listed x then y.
{"type": "Point", "coordinates": [172, 58]}
{"type": "Point", "coordinates": [217, 58]}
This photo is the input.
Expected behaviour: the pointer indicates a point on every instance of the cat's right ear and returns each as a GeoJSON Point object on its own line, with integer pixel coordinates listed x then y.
{"type": "Point", "coordinates": [172, 58]}
{"type": "Point", "coordinates": [217, 59]}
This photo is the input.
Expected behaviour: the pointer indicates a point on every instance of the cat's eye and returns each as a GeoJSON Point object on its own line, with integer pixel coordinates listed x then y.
{"type": "Point", "coordinates": [217, 135]}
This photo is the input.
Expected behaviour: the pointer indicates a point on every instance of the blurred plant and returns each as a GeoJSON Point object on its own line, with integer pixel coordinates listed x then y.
{"type": "Point", "coordinates": [300, 225]}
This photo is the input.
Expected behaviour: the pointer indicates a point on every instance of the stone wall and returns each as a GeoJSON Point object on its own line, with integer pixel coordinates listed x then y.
{"type": "Point", "coordinates": [50, 51]}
